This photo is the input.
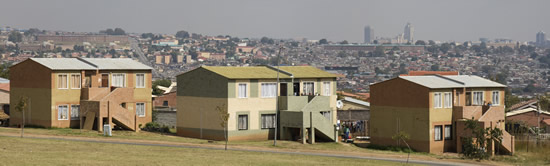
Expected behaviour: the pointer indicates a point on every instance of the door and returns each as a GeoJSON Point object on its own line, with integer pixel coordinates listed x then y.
{"type": "Point", "coordinates": [283, 89]}
{"type": "Point", "coordinates": [296, 89]}
{"type": "Point", "coordinates": [468, 98]}
{"type": "Point", "coordinates": [104, 80]}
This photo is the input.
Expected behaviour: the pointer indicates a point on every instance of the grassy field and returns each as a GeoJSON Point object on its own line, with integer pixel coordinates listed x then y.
{"type": "Point", "coordinates": [28, 151]}
{"type": "Point", "coordinates": [528, 153]}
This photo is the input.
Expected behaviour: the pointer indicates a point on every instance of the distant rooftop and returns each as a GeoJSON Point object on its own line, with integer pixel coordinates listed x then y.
{"type": "Point", "coordinates": [269, 72]}
{"type": "Point", "coordinates": [374, 45]}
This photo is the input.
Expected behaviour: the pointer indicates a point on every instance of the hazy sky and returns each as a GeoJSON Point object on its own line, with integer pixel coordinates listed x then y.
{"type": "Point", "coordinates": [458, 20]}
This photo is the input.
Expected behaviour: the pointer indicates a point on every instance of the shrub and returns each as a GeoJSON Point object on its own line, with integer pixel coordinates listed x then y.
{"type": "Point", "coordinates": [155, 127]}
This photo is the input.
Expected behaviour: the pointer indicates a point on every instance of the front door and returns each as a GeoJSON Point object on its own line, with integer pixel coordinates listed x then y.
{"type": "Point", "coordinates": [296, 89]}
{"type": "Point", "coordinates": [468, 98]}
{"type": "Point", "coordinates": [283, 89]}
{"type": "Point", "coordinates": [104, 80]}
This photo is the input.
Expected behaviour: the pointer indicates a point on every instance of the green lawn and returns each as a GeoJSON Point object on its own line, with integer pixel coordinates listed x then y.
{"type": "Point", "coordinates": [29, 151]}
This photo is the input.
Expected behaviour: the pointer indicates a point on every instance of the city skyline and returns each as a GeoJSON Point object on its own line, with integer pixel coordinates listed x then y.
{"type": "Point", "coordinates": [309, 19]}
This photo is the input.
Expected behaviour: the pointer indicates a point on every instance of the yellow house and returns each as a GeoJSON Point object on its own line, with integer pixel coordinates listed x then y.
{"type": "Point", "coordinates": [432, 109]}
{"type": "Point", "coordinates": [306, 96]}
{"type": "Point", "coordinates": [73, 92]}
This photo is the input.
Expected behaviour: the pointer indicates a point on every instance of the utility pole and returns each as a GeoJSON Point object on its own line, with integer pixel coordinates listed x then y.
{"type": "Point", "coordinates": [277, 99]}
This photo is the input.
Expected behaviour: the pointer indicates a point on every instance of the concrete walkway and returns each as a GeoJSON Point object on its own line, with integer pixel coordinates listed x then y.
{"type": "Point", "coordinates": [231, 148]}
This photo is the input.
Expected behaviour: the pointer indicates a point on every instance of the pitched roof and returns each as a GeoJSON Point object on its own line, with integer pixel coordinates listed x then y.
{"type": "Point", "coordinates": [420, 73]}
{"type": "Point", "coordinates": [90, 64]}
{"type": "Point", "coordinates": [451, 81]}
{"type": "Point", "coordinates": [5, 86]}
{"type": "Point", "coordinates": [267, 72]}
{"type": "Point", "coordinates": [3, 80]}
{"type": "Point", "coordinates": [521, 104]}
{"type": "Point", "coordinates": [117, 64]}
{"type": "Point", "coordinates": [516, 112]}
{"type": "Point", "coordinates": [63, 63]}
{"type": "Point", "coordinates": [360, 102]}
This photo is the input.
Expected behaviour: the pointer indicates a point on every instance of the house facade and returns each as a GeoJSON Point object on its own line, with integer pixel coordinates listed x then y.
{"type": "Point", "coordinates": [433, 109]}
{"type": "Point", "coordinates": [249, 95]}
{"type": "Point", "coordinates": [88, 92]}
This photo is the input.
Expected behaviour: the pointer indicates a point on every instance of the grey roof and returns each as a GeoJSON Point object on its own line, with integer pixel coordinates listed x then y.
{"type": "Point", "coordinates": [63, 63]}
{"type": "Point", "coordinates": [3, 80]}
{"type": "Point", "coordinates": [91, 64]}
{"type": "Point", "coordinates": [117, 64]}
{"type": "Point", "coordinates": [356, 101]}
{"type": "Point", "coordinates": [455, 81]}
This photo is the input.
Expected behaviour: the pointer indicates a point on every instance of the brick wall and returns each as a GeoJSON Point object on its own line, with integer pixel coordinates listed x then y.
{"type": "Point", "coordinates": [167, 118]}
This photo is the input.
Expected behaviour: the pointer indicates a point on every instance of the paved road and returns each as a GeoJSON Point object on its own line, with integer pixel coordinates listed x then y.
{"type": "Point", "coordinates": [141, 56]}
{"type": "Point", "coordinates": [438, 163]}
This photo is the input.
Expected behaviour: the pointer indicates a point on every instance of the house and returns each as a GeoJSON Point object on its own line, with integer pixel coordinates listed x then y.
{"type": "Point", "coordinates": [306, 99]}
{"type": "Point", "coordinates": [70, 92]}
{"type": "Point", "coordinates": [4, 101]}
{"type": "Point", "coordinates": [433, 109]}
{"type": "Point", "coordinates": [354, 114]}
{"type": "Point", "coordinates": [525, 113]}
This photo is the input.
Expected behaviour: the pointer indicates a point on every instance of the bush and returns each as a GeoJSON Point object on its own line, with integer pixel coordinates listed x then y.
{"type": "Point", "coordinates": [155, 127]}
{"type": "Point", "coordinates": [391, 148]}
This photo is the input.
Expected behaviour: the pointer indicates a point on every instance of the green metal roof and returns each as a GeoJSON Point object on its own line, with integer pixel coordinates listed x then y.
{"type": "Point", "coordinates": [265, 72]}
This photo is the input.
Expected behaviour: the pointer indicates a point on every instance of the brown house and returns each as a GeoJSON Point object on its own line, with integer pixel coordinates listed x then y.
{"type": "Point", "coordinates": [525, 113]}
{"type": "Point", "coordinates": [70, 92]}
{"type": "Point", "coordinates": [433, 109]}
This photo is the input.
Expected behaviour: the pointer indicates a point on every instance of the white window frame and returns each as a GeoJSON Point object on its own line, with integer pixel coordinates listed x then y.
{"type": "Point", "coordinates": [269, 89]}
{"type": "Point", "coordinates": [447, 100]}
{"type": "Point", "coordinates": [326, 89]}
{"type": "Point", "coordinates": [113, 81]}
{"type": "Point", "coordinates": [448, 132]}
{"type": "Point", "coordinates": [496, 98]}
{"type": "Point", "coordinates": [438, 103]}
{"type": "Point", "coordinates": [482, 97]}
{"type": "Point", "coordinates": [137, 80]}
{"type": "Point", "coordinates": [60, 112]}
{"type": "Point", "coordinates": [67, 81]}
{"type": "Point", "coordinates": [438, 136]}
{"type": "Point", "coordinates": [77, 117]}
{"type": "Point", "coordinates": [242, 95]}
{"type": "Point", "coordinates": [264, 124]}
{"type": "Point", "coordinates": [305, 87]}
{"type": "Point", "coordinates": [140, 113]}
{"type": "Point", "coordinates": [79, 81]}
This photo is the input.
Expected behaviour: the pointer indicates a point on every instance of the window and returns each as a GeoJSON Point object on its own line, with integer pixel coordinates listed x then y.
{"type": "Point", "coordinates": [448, 132]}
{"type": "Point", "coordinates": [119, 80]}
{"type": "Point", "coordinates": [478, 98]}
{"type": "Point", "coordinates": [326, 114]}
{"type": "Point", "coordinates": [242, 91]}
{"type": "Point", "coordinates": [140, 109]}
{"type": "Point", "coordinates": [75, 112]}
{"type": "Point", "coordinates": [140, 80]}
{"type": "Point", "coordinates": [75, 81]}
{"type": "Point", "coordinates": [308, 88]}
{"type": "Point", "coordinates": [496, 98]}
{"type": "Point", "coordinates": [326, 89]}
{"type": "Point", "coordinates": [243, 122]}
{"type": "Point", "coordinates": [269, 121]}
{"type": "Point", "coordinates": [437, 133]}
{"type": "Point", "coordinates": [62, 81]}
{"type": "Point", "coordinates": [437, 100]}
{"type": "Point", "coordinates": [269, 89]}
{"type": "Point", "coordinates": [447, 99]}
{"type": "Point", "coordinates": [165, 103]}
{"type": "Point", "coordinates": [62, 112]}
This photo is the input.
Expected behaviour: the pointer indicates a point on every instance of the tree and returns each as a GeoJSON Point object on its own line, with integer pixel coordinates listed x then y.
{"type": "Point", "coordinates": [344, 42]}
{"type": "Point", "coordinates": [182, 34]}
{"type": "Point", "coordinates": [224, 117]}
{"type": "Point", "coordinates": [476, 145]}
{"type": "Point", "coordinates": [15, 37]}
{"type": "Point", "coordinates": [21, 106]}
{"type": "Point", "coordinates": [420, 42]}
{"type": "Point", "coordinates": [32, 31]}
{"type": "Point", "coordinates": [119, 31]}
{"type": "Point", "coordinates": [147, 35]}
{"type": "Point", "coordinates": [431, 42]}
{"type": "Point", "coordinates": [164, 83]}
{"type": "Point", "coordinates": [323, 41]}
{"type": "Point", "coordinates": [445, 47]}
{"type": "Point", "coordinates": [402, 136]}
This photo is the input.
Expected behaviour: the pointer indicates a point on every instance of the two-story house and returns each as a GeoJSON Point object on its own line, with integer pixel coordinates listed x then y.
{"type": "Point", "coordinates": [73, 92]}
{"type": "Point", "coordinates": [306, 103]}
{"type": "Point", "coordinates": [433, 109]}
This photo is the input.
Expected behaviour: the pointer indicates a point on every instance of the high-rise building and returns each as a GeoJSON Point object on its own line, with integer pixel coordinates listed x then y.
{"type": "Point", "coordinates": [369, 34]}
{"type": "Point", "coordinates": [541, 38]}
{"type": "Point", "coordinates": [409, 33]}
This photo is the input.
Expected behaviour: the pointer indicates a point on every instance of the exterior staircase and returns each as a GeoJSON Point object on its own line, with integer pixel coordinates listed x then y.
{"type": "Point", "coordinates": [304, 112]}
{"type": "Point", "coordinates": [111, 107]}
